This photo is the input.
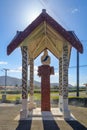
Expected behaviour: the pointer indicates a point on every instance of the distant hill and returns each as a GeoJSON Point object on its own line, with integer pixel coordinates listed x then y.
{"type": "Point", "coordinates": [11, 81]}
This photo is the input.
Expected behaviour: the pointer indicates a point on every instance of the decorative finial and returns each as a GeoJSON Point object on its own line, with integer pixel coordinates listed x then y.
{"type": "Point", "coordinates": [44, 10]}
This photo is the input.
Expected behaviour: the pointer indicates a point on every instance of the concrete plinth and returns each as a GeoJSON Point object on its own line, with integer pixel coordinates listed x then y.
{"type": "Point", "coordinates": [23, 114]}
{"type": "Point", "coordinates": [63, 107]}
{"type": "Point", "coordinates": [24, 111]}
{"type": "Point", "coordinates": [60, 103]}
{"type": "Point", "coordinates": [66, 111]}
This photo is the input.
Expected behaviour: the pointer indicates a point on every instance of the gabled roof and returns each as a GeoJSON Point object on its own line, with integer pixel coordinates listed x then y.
{"type": "Point", "coordinates": [68, 35]}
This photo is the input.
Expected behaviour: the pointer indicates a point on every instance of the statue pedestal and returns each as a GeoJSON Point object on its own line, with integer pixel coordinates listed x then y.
{"type": "Point", "coordinates": [45, 71]}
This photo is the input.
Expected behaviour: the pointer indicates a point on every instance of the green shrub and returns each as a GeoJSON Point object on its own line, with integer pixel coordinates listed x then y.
{"type": "Point", "coordinates": [11, 92]}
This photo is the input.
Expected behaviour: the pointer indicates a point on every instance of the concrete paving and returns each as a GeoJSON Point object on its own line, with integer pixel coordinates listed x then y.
{"type": "Point", "coordinates": [36, 114]}
{"type": "Point", "coordinates": [10, 119]}
{"type": "Point", "coordinates": [6, 104]}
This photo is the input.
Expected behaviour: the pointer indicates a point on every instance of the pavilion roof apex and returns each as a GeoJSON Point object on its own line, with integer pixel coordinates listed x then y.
{"type": "Point", "coordinates": [44, 11]}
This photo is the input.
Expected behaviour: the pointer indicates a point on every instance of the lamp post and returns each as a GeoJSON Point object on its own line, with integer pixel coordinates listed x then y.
{"type": "Point", "coordinates": [77, 74]}
{"type": "Point", "coordinates": [5, 78]}
{"type": "Point", "coordinates": [4, 95]}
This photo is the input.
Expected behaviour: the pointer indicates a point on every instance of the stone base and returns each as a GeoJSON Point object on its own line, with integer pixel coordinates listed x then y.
{"type": "Point", "coordinates": [24, 111]}
{"type": "Point", "coordinates": [60, 103]}
{"type": "Point", "coordinates": [23, 114]}
{"type": "Point", "coordinates": [66, 111]}
{"type": "Point", "coordinates": [24, 104]}
{"type": "Point", "coordinates": [45, 106]}
{"type": "Point", "coordinates": [67, 115]}
{"type": "Point", "coordinates": [31, 106]}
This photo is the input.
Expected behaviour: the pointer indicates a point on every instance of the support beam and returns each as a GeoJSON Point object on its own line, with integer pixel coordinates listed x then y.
{"type": "Point", "coordinates": [77, 74]}
{"type": "Point", "coordinates": [24, 112]}
{"type": "Point", "coordinates": [52, 32]}
{"type": "Point", "coordinates": [52, 45]}
{"type": "Point", "coordinates": [39, 45]}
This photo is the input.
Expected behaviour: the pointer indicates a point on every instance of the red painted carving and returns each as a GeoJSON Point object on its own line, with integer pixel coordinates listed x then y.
{"type": "Point", "coordinates": [45, 71]}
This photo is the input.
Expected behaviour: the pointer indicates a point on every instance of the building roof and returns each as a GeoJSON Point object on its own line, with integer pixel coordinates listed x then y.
{"type": "Point", "coordinates": [67, 35]}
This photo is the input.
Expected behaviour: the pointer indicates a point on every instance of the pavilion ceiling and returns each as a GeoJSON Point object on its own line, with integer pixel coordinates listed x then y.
{"type": "Point", "coordinates": [44, 36]}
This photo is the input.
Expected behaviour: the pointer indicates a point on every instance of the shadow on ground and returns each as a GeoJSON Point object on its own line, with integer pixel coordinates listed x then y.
{"type": "Point", "coordinates": [50, 123]}
{"type": "Point", "coordinates": [76, 125]}
{"type": "Point", "coordinates": [24, 125]}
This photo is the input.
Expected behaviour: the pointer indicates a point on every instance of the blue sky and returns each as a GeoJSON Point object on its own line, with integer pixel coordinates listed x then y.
{"type": "Point", "coordinates": [18, 14]}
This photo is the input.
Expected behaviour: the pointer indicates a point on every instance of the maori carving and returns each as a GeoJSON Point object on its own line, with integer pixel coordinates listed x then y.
{"type": "Point", "coordinates": [45, 71]}
{"type": "Point", "coordinates": [24, 72]}
{"type": "Point", "coordinates": [65, 71]}
{"type": "Point", "coordinates": [31, 76]}
{"type": "Point", "coordinates": [60, 76]}
{"type": "Point", "coordinates": [45, 59]}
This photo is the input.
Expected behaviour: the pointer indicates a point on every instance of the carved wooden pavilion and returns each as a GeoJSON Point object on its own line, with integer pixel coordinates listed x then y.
{"type": "Point", "coordinates": [45, 33]}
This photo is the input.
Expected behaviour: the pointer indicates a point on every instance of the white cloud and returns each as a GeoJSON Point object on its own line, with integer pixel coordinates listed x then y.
{"type": "Point", "coordinates": [20, 68]}
{"type": "Point", "coordinates": [56, 74]}
{"type": "Point", "coordinates": [75, 10]}
{"type": "Point", "coordinates": [3, 63]}
{"type": "Point", "coordinates": [17, 70]}
{"type": "Point", "coordinates": [14, 70]}
{"type": "Point", "coordinates": [35, 70]}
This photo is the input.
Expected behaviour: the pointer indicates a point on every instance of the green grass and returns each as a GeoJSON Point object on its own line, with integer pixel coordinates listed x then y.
{"type": "Point", "coordinates": [37, 96]}
{"type": "Point", "coordinates": [11, 97]}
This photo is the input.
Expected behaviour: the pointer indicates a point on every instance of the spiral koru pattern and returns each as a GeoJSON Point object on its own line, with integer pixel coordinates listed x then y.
{"type": "Point", "coordinates": [65, 71]}
{"type": "Point", "coordinates": [24, 72]}
{"type": "Point", "coordinates": [31, 76]}
{"type": "Point", "coordinates": [60, 76]}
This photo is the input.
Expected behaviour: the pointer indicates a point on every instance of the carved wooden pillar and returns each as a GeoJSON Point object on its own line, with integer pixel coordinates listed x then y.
{"type": "Point", "coordinates": [31, 101]}
{"type": "Point", "coordinates": [45, 71]}
{"type": "Point", "coordinates": [23, 112]}
{"type": "Point", "coordinates": [65, 64]}
{"type": "Point", "coordinates": [31, 76]}
{"type": "Point", "coordinates": [60, 85]}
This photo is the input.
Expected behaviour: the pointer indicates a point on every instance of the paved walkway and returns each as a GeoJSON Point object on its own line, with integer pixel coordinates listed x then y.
{"type": "Point", "coordinates": [9, 119]}
{"type": "Point", "coordinates": [6, 105]}
{"type": "Point", "coordinates": [36, 114]}
{"type": "Point", "coordinates": [48, 121]}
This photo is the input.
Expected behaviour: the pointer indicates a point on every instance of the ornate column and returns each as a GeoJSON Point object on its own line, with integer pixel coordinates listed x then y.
{"type": "Point", "coordinates": [32, 105]}
{"type": "Point", "coordinates": [60, 85]}
{"type": "Point", "coordinates": [24, 112]}
{"type": "Point", "coordinates": [65, 64]}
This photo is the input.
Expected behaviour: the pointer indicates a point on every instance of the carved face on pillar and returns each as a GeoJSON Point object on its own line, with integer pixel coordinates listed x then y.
{"type": "Point", "coordinates": [45, 59]}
